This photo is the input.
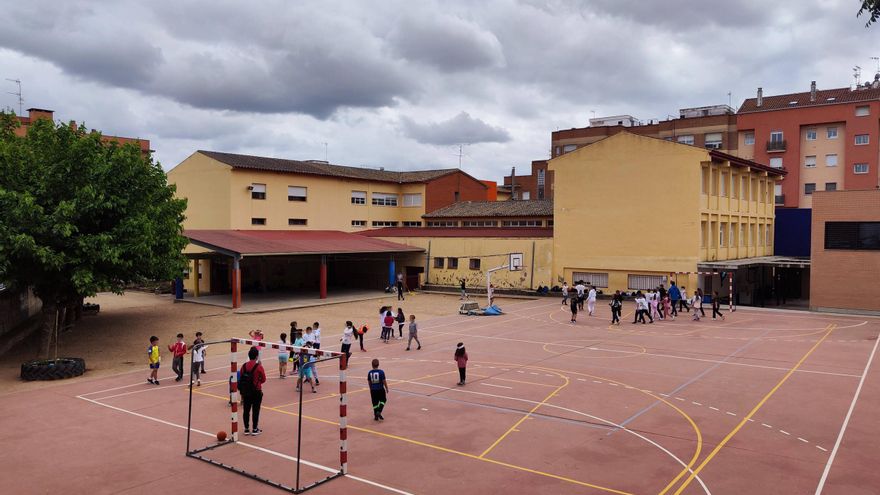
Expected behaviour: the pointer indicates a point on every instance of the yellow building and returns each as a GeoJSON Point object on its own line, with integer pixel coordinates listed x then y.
{"type": "Point", "coordinates": [630, 210]}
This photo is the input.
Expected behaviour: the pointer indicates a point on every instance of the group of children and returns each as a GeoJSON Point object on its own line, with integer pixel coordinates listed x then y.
{"type": "Point", "coordinates": [582, 294]}
{"type": "Point", "coordinates": [387, 320]}
{"type": "Point", "coordinates": [178, 351]}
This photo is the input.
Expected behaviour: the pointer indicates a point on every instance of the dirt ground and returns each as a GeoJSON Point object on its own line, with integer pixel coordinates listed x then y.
{"type": "Point", "coordinates": [115, 340]}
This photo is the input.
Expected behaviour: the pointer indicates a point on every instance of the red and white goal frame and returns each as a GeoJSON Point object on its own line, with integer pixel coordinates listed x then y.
{"type": "Point", "coordinates": [730, 305]}
{"type": "Point", "coordinates": [235, 398]}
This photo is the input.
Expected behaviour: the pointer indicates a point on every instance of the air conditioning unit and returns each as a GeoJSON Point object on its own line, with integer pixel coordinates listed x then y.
{"type": "Point", "coordinates": [250, 188]}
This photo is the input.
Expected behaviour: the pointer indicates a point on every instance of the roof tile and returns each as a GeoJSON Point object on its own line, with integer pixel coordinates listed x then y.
{"type": "Point", "coordinates": [482, 209]}
{"type": "Point", "coordinates": [799, 100]}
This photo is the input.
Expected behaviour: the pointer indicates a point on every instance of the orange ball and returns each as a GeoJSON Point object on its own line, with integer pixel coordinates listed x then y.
{"type": "Point", "coordinates": [221, 436]}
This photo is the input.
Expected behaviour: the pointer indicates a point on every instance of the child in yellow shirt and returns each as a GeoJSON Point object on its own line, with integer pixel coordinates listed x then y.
{"type": "Point", "coordinates": [154, 358]}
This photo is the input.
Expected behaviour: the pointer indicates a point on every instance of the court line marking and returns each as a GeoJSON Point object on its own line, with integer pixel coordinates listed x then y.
{"type": "Point", "coordinates": [751, 413]}
{"type": "Point", "coordinates": [499, 386]}
{"type": "Point", "coordinates": [245, 444]}
{"type": "Point", "coordinates": [843, 427]}
{"type": "Point", "coordinates": [528, 415]}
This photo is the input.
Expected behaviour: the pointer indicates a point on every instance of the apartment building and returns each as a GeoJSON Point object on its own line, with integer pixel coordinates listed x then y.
{"type": "Point", "coordinates": [35, 114]}
{"type": "Point", "coordinates": [629, 210]}
{"type": "Point", "coordinates": [537, 185]}
{"type": "Point", "coordinates": [827, 140]}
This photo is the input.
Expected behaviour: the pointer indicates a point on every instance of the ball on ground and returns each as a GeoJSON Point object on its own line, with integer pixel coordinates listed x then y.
{"type": "Point", "coordinates": [221, 436]}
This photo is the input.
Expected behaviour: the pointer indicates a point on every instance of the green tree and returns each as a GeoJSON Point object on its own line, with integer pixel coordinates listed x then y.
{"type": "Point", "coordinates": [872, 9]}
{"type": "Point", "coordinates": [80, 216]}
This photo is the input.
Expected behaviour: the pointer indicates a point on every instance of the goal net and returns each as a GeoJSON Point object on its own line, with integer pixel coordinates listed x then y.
{"type": "Point", "coordinates": [204, 452]}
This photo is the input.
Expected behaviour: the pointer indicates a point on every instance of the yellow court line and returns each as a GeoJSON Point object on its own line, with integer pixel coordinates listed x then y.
{"type": "Point", "coordinates": [830, 328]}
{"type": "Point", "coordinates": [523, 382]}
{"type": "Point", "coordinates": [515, 425]}
{"type": "Point", "coordinates": [440, 448]}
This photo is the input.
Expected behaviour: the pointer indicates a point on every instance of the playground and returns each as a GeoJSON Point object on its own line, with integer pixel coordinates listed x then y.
{"type": "Point", "coordinates": [762, 402]}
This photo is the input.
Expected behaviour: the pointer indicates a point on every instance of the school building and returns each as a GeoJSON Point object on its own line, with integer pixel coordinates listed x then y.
{"type": "Point", "coordinates": [629, 210]}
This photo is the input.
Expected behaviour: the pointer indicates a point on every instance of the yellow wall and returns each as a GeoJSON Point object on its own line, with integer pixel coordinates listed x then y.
{"type": "Point", "coordinates": [632, 205]}
{"type": "Point", "coordinates": [821, 173]}
{"type": "Point", "coordinates": [205, 183]}
{"type": "Point", "coordinates": [492, 252]}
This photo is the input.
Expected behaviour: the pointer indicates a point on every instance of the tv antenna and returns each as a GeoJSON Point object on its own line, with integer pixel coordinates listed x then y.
{"type": "Point", "coordinates": [461, 152]}
{"type": "Point", "coordinates": [877, 59]}
{"type": "Point", "coordinates": [18, 94]}
{"type": "Point", "coordinates": [857, 74]}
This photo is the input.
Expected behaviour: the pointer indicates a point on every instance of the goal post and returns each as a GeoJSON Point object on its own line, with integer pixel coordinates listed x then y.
{"type": "Point", "coordinates": [235, 397]}
{"type": "Point", "coordinates": [729, 276]}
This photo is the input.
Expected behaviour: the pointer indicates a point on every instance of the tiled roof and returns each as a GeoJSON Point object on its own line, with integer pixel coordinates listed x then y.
{"type": "Point", "coordinates": [823, 97]}
{"type": "Point", "coordinates": [292, 242]}
{"type": "Point", "coordinates": [326, 169]}
{"type": "Point", "coordinates": [488, 232]}
{"type": "Point", "coordinates": [484, 209]}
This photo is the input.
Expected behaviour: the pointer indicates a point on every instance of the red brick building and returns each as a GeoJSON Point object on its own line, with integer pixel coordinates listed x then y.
{"type": "Point", "coordinates": [846, 251]}
{"type": "Point", "coordinates": [38, 113]}
{"type": "Point", "coordinates": [537, 185]}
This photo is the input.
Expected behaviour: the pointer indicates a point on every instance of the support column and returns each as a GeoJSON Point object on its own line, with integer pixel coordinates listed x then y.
{"type": "Point", "coordinates": [236, 282]}
{"type": "Point", "coordinates": [323, 278]}
{"type": "Point", "coordinates": [392, 275]}
{"type": "Point", "coordinates": [178, 288]}
{"type": "Point", "coordinates": [196, 277]}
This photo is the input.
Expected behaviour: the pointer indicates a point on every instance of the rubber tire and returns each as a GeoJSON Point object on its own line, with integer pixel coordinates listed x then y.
{"type": "Point", "coordinates": [52, 370]}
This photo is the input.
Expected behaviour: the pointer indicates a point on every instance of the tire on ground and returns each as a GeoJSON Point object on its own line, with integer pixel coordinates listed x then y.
{"type": "Point", "coordinates": [50, 369]}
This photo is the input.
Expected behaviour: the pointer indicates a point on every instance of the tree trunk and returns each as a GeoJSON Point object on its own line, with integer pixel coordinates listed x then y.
{"type": "Point", "coordinates": [47, 329]}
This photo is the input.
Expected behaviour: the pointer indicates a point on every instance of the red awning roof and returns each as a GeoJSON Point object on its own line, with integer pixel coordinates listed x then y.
{"type": "Point", "coordinates": [292, 242]}
{"type": "Point", "coordinates": [513, 232]}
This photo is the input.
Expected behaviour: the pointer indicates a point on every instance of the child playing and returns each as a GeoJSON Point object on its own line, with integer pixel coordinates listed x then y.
{"type": "Point", "coordinates": [316, 331]}
{"type": "Point", "coordinates": [361, 334]}
{"type": "Point", "coordinates": [574, 309]}
{"type": "Point", "coordinates": [294, 356]}
{"type": "Point", "coordinates": [697, 304]}
{"type": "Point", "coordinates": [401, 320]}
{"type": "Point", "coordinates": [283, 356]}
{"type": "Point", "coordinates": [378, 390]}
{"type": "Point", "coordinates": [461, 359]}
{"type": "Point", "coordinates": [413, 333]}
{"type": "Point", "coordinates": [258, 336]}
{"type": "Point", "coordinates": [347, 335]}
{"type": "Point", "coordinates": [198, 361]}
{"type": "Point", "coordinates": [306, 366]}
{"type": "Point", "coordinates": [200, 340]}
{"type": "Point", "coordinates": [154, 358]}
{"type": "Point", "coordinates": [179, 350]}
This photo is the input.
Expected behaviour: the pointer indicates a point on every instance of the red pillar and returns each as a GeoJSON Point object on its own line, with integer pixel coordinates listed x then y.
{"type": "Point", "coordinates": [236, 284]}
{"type": "Point", "coordinates": [323, 286]}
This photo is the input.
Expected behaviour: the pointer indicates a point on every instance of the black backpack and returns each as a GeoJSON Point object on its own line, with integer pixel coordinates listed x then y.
{"type": "Point", "coordinates": [246, 380]}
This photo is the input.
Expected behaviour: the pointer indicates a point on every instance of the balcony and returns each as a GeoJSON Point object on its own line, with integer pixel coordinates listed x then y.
{"type": "Point", "coordinates": [780, 199]}
{"type": "Point", "coordinates": [775, 146]}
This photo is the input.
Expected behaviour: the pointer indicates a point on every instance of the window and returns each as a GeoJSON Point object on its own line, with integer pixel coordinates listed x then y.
{"type": "Point", "coordinates": [593, 279]}
{"type": "Point", "coordinates": [412, 224]}
{"type": "Point", "coordinates": [810, 161]}
{"type": "Point", "coordinates": [358, 223]}
{"type": "Point", "coordinates": [714, 182]}
{"type": "Point", "coordinates": [686, 139]}
{"type": "Point", "coordinates": [734, 186]}
{"type": "Point", "coordinates": [443, 223]}
{"type": "Point", "coordinates": [769, 235]}
{"type": "Point", "coordinates": [852, 235]}
{"type": "Point", "coordinates": [777, 190]}
{"type": "Point", "coordinates": [862, 139]}
{"type": "Point", "coordinates": [359, 197]}
{"type": "Point", "coordinates": [526, 195]}
{"type": "Point", "coordinates": [456, 195]}
{"type": "Point", "coordinates": [479, 223]}
{"type": "Point", "coordinates": [860, 168]}
{"type": "Point", "coordinates": [412, 200]}
{"type": "Point", "coordinates": [831, 160]}
{"type": "Point", "coordinates": [296, 193]}
{"type": "Point", "coordinates": [452, 263]}
{"type": "Point", "coordinates": [776, 137]}
{"type": "Point", "coordinates": [809, 187]}
{"type": "Point", "coordinates": [384, 223]}
{"type": "Point", "coordinates": [703, 232]}
{"type": "Point", "coordinates": [474, 264]}
{"type": "Point", "coordinates": [645, 282]}
{"type": "Point", "coordinates": [863, 110]}
{"type": "Point", "coordinates": [732, 238]}
{"type": "Point", "coordinates": [383, 199]}
{"type": "Point", "coordinates": [258, 221]}
{"type": "Point", "coordinates": [569, 147]}
{"type": "Point", "coordinates": [258, 191]}
{"type": "Point", "coordinates": [831, 186]}
{"type": "Point", "coordinates": [521, 223]}
{"type": "Point", "coordinates": [721, 234]}
{"type": "Point", "coordinates": [776, 162]}
{"type": "Point", "coordinates": [723, 184]}
{"type": "Point", "coordinates": [713, 140]}
{"type": "Point", "coordinates": [705, 180]}
{"type": "Point", "coordinates": [297, 221]}
{"type": "Point", "coordinates": [749, 139]}
{"type": "Point", "coordinates": [742, 234]}
{"type": "Point", "coordinates": [811, 134]}
{"type": "Point", "coordinates": [831, 133]}
{"type": "Point", "coordinates": [760, 235]}
{"type": "Point", "coordinates": [438, 262]}
{"type": "Point", "coordinates": [752, 236]}
{"type": "Point", "coordinates": [745, 187]}
{"type": "Point", "coordinates": [549, 223]}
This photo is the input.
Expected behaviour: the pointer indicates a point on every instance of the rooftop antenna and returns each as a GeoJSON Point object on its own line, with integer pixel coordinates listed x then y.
{"type": "Point", "coordinates": [877, 59]}
{"type": "Point", "coordinates": [461, 152]}
{"type": "Point", "coordinates": [857, 74]}
{"type": "Point", "coordinates": [729, 99]}
{"type": "Point", "coordinates": [18, 94]}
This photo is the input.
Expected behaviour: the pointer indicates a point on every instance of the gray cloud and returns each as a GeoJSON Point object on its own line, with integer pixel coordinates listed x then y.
{"type": "Point", "coordinates": [459, 129]}
{"type": "Point", "coordinates": [446, 42]}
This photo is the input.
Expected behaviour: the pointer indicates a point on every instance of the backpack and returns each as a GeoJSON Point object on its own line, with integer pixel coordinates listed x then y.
{"type": "Point", "coordinates": [246, 384]}
{"type": "Point", "coordinates": [389, 320]}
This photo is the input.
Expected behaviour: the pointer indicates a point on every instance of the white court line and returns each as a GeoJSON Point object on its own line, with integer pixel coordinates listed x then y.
{"type": "Point", "coordinates": [491, 385]}
{"type": "Point", "coordinates": [154, 388]}
{"type": "Point", "coordinates": [574, 411]}
{"type": "Point", "coordinates": [244, 444]}
{"type": "Point", "coordinates": [170, 377]}
{"type": "Point", "coordinates": [852, 406]}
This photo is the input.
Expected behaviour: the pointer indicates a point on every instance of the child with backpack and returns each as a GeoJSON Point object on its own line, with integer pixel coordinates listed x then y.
{"type": "Point", "coordinates": [251, 378]}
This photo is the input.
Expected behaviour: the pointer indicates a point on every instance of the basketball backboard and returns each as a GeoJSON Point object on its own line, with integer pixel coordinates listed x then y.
{"type": "Point", "coordinates": [516, 262]}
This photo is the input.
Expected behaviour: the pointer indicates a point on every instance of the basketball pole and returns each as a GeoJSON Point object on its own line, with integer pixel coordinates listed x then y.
{"type": "Point", "coordinates": [489, 283]}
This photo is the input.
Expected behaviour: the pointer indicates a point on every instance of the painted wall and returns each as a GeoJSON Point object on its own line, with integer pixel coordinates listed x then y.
{"type": "Point", "coordinates": [820, 148]}
{"type": "Point", "coordinates": [492, 253]}
{"type": "Point", "coordinates": [205, 184]}
{"type": "Point", "coordinates": [442, 191]}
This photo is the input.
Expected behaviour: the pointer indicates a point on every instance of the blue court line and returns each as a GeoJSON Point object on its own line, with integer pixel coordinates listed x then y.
{"type": "Point", "coordinates": [691, 381]}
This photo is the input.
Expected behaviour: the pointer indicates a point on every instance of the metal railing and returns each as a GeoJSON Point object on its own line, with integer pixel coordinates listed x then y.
{"type": "Point", "coordinates": [776, 145]}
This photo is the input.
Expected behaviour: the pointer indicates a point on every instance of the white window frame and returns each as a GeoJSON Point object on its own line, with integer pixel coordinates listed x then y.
{"type": "Point", "coordinates": [686, 139]}
{"type": "Point", "coordinates": [479, 223]}
{"type": "Point", "coordinates": [384, 199]}
{"type": "Point", "coordinates": [384, 223]}
{"type": "Point", "coordinates": [867, 139]}
{"type": "Point", "coordinates": [411, 223]}
{"type": "Point", "coordinates": [811, 134]}
{"type": "Point", "coordinates": [526, 195]}
{"type": "Point", "coordinates": [856, 167]}
{"type": "Point", "coordinates": [828, 160]}
{"type": "Point", "coordinates": [713, 140]}
{"type": "Point", "coordinates": [831, 133]}
{"type": "Point", "coordinates": [777, 133]}
{"type": "Point", "coordinates": [522, 223]}
{"type": "Point", "coordinates": [443, 223]}
{"type": "Point", "coordinates": [258, 189]}
{"type": "Point", "coordinates": [594, 279]}
{"type": "Point", "coordinates": [412, 200]}
{"type": "Point", "coordinates": [645, 282]}
{"type": "Point", "coordinates": [358, 223]}
{"type": "Point", "coordinates": [723, 184]}
{"type": "Point", "coordinates": [810, 161]}
{"type": "Point", "coordinates": [863, 110]}
{"type": "Point", "coordinates": [749, 139]}
{"type": "Point", "coordinates": [359, 197]}
{"type": "Point", "coordinates": [721, 231]}
{"type": "Point", "coordinates": [297, 193]}
{"type": "Point", "coordinates": [568, 148]}
{"type": "Point", "coordinates": [743, 234]}
{"type": "Point", "coordinates": [777, 159]}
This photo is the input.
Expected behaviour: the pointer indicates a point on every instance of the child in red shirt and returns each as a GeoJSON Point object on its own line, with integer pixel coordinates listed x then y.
{"type": "Point", "coordinates": [179, 350]}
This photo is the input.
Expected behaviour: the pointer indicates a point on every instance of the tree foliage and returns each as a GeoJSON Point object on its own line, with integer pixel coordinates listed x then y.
{"type": "Point", "coordinates": [81, 215]}
{"type": "Point", "coordinates": [872, 9]}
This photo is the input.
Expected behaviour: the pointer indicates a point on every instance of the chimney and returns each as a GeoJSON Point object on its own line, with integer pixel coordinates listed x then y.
{"type": "Point", "coordinates": [512, 182]}
{"type": "Point", "coordinates": [760, 97]}
{"type": "Point", "coordinates": [813, 91]}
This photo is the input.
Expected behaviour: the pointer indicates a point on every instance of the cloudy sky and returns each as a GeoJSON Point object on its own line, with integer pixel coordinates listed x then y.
{"type": "Point", "coordinates": [402, 84]}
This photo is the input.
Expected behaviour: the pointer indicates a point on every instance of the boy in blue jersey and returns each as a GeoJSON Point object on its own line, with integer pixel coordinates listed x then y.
{"type": "Point", "coordinates": [378, 389]}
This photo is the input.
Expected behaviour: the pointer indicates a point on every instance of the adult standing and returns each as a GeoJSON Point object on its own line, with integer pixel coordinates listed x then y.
{"type": "Point", "coordinates": [675, 297]}
{"type": "Point", "coordinates": [316, 331]}
{"type": "Point", "coordinates": [664, 312]}
{"type": "Point", "coordinates": [251, 378]}
{"type": "Point", "coordinates": [716, 305]}
{"type": "Point", "coordinates": [400, 286]}
{"type": "Point", "coordinates": [591, 300]}
{"type": "Point", "coordinates": [491, 294]}
{"type": "Point", "coordinates": [463, 287]}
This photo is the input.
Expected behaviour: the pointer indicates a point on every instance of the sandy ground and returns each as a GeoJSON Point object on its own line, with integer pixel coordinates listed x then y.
{"type": "Point", "coordinates": [115, 340]}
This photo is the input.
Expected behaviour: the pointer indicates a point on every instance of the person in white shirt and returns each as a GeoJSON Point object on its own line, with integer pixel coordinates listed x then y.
{"type": "Point", "coordinates": [347, 337]}
{"type": "Point", "coordinates": [317, 345]}
{"type": "Point", "coordinates": [591, 300]}
{"type": "Point", "coordinates": [580, 294]}
{"type": "Point", "coordinates": [565, 293]}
